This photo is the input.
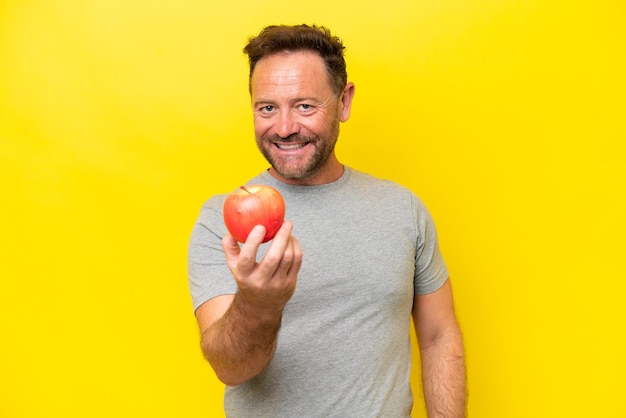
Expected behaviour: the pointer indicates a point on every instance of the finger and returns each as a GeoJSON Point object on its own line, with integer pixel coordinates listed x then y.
{"type": "Point", "coordinates": [276, 250]}
{"type": "Point", "coordinates": [286, 276]}
{"type": "Point", "coordinates": [231, 251]}
{"type": "Point", "coordinates": [247, 256]}
{"type": "Point", "coordinates": [288, 259]}
{"type": "Point", "coordinates": [288, 271]}
{"type": "Point", "coordinates": [296, 263]}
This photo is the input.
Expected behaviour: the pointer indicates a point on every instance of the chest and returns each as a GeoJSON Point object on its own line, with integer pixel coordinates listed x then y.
{"type": "Point", "coordinates": [357, 257]}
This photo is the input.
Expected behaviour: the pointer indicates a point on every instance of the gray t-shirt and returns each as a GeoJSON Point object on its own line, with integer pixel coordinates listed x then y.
{"type": "Point", "coordinates": [369, 247]}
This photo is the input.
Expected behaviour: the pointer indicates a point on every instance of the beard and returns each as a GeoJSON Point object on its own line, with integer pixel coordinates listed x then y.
{"type": "Point", "coordinates": [298, 168]}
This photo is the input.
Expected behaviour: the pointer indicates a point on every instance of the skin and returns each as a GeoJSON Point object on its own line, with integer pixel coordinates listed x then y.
{"type": "Point", "coordinates": [441, 352]}
{"type": "Point", "coordinates": [297, 116]}
{"type": "Point", "coordinates": [239, 331]}
{"type": "Point", "coordinates": [296, 123]}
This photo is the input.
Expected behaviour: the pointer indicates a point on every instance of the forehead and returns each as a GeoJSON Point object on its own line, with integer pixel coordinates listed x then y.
{"type": "Point", "coordinates": [290, 70]}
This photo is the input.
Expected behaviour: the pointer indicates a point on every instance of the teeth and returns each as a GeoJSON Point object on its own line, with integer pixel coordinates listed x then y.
{"type": "Point", "coordinates": [289, 146]}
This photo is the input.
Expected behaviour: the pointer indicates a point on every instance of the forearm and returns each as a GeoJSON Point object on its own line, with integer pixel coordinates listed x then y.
{"type": "Point", "coordinates": [241, 343]}
{"type": "Point", "coordinates": [444, 376]}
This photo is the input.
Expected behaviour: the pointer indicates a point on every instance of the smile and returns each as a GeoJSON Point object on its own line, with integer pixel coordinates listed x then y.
{"type": "Point", "coordinates": [290, 146]}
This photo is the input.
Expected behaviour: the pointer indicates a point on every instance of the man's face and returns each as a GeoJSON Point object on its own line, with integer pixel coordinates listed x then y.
{"type": "Point", "coordinates": [297, 115]}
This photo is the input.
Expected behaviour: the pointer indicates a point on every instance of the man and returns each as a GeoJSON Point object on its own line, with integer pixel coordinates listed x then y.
{"type": "Point", "coordinates": [320, 325]}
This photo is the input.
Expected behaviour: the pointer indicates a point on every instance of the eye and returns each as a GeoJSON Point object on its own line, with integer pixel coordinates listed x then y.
{"type": "Point", "coordinates": [267, 109]}
{"type": "Point", "coordinates": [305, 106]}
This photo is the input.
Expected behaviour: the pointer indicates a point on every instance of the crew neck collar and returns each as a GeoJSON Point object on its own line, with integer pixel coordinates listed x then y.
{"type": "Point", "coordinates": [267, 178]}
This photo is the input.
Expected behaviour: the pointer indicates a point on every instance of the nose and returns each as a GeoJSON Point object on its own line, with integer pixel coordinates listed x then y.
{"type": "Point", "coordinates": [286, 124]}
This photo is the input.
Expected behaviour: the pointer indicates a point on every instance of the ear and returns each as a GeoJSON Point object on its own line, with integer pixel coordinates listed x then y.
{"type": "Point", "coordinates": [345, 102]}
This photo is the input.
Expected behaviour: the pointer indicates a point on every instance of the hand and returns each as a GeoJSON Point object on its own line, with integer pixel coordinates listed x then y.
{"type": "Point", "coordinates": [267, 285]}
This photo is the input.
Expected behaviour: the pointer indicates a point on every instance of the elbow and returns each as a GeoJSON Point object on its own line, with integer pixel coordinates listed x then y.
{"type": "Point", "coordinates": [228, 376]}
{"type": "Point", "coordinates": [224, 374]}
{"type": "Point", "coordinates": [449, 337]}
{"type": "Point", "coordinates": [230, 381]}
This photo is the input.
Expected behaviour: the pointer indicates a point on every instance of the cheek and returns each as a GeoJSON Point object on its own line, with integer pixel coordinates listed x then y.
{"type": "Point", "coordinates": [319, 125]}
{"type": "Point", "coordinates": [262, 126]}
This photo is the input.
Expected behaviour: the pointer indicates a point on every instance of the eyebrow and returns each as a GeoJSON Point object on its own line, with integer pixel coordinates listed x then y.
{"type": "Point", "coordinates": [261, 101]}
{"type": "Point", "coordinates": [296, 100]}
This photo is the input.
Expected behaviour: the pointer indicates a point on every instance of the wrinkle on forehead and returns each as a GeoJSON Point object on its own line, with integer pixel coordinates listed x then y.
{"type": "Point", "coordinates": [295, 73]}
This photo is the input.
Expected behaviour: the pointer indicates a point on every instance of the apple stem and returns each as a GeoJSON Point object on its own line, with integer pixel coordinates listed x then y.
{"type": "Point", "coordinates": [244, 188]}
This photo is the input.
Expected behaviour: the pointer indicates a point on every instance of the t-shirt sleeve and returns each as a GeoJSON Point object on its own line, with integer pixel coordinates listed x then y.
{"type": "Point", "coordinates": [208, 273]}
{"type": "Point", "coordinates": [430, 269]}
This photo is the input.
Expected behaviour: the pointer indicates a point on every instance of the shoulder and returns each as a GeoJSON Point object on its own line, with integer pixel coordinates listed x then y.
{"type": "Point", "coordinates": [397, 199]}
{"type": "Point", "coordinates": [375, 186]}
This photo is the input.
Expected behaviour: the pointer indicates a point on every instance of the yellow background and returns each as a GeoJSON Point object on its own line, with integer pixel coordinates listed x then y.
{"type": "Point", "coordinates": [119, 118]}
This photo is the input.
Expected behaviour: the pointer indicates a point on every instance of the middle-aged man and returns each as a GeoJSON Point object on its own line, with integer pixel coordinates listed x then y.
{"type": "Point", "coordinates": [320, 325]}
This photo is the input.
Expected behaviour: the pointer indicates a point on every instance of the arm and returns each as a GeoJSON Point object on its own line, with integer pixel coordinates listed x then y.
{"type": "Point", "coordinates": [441, 350]}
{"type": "Point", "coordinates": [239, 331]}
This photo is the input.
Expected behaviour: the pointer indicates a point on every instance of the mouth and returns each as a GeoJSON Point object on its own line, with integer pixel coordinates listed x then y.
{"type": "Point", "coordinates": [290, 146]}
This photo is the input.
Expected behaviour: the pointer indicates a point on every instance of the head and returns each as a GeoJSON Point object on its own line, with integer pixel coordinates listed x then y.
{"type": "Point", "coordinates": [299, 96]}
{"type": "Point", "coordinates": [318, 39]}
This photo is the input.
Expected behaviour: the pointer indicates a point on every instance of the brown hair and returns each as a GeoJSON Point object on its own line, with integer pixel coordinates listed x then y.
{"type": "Point", "coordinates": [278, 38]}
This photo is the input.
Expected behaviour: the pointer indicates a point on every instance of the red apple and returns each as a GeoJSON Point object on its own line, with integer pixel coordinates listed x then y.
{"type": "Point", "coordinates": [254, 205]}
